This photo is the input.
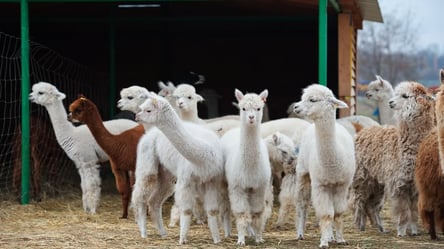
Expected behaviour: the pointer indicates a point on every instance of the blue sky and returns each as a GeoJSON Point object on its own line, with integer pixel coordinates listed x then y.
{"type": "Point", "coordinates": [428, 14]}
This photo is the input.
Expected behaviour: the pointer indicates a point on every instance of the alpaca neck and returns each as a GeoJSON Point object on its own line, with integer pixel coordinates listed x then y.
{"type": "Point", "coordinates": [186, 143]}
{"type": "Point", "coordinates": [385, 112]}
{"type": "Point", "coordinates": [95, 124]}
{"type": "Point", "coordinates": [59, 119]}
{"type": "Point", "coordinates": [250, 139]}
{"type": "Point", "coordinates": [190, 116]}
{"type": "Point", "coordinates": [325, 130]}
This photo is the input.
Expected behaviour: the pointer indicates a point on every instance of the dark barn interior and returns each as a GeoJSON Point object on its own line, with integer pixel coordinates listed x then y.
{"type": "Point", "coordinates": [249, 45]}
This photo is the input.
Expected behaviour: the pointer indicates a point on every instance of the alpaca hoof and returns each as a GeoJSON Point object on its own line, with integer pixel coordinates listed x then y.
{"type": "Point", "coordinates": [183, 241]}
{"type": "Point", "coordinates": [300, 237]}
{"type": "Point", "coordinates": [344, 243]}
{"type": "Point", "coordinates": [323, 246]}
{"type": "Point", "coordinates": [240, 243]}
{"type": "Point", "coordinates": [123, 217]}
{"type": "Point", "coordinates": [260, 241]}
{"type": "Point", "coordinates": [171, 225]}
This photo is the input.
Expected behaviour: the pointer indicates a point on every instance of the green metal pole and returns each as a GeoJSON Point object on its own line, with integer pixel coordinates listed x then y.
{"type": "Point", "coordinates": [25, 102]}
{"type": "Point", "coordinates": [322, 50]}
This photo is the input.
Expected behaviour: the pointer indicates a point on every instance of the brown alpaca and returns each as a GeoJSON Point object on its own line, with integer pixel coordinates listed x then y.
{"type": "Point", "coordinates": [120, 148]}
{"type": "Point", "coordinates": [44, 150]}
{"type": "Point", "coordinates": [429, 174]}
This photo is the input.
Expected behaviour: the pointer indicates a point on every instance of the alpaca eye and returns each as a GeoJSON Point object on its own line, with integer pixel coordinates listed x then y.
{"type": "Point", "coordinates": [40, 93]}
{"type": "Point", "coordinates": [405, 96]}
{"type": "Point", "coordinates": [189, 97]}
{"type": "Point", "coordinates": [258, 109]}
{"type": "Point", "coordinates": [243, 109]}
{"type": "Point", "coordinates": [130, 97]}
{"type": "Point", "coordinates": [148, 111]}
{"type": "Point", "coordinates": [313, 100]}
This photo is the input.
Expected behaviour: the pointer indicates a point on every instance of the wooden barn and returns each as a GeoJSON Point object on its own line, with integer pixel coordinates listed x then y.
{"type": "Point", "coordinates": [280, 45]}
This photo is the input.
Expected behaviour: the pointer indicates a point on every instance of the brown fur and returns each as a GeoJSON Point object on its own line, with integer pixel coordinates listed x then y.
{"type": "Point", "coordinates": [44, 150]}
{"type": "Point", "coordinates": [121, 148]}
{"type": "Point", "coordinates": [429, 176]}
{"type": "Point", "coordinates": [385, 161]}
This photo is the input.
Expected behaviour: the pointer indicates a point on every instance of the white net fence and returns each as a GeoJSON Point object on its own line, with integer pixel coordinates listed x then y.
{"type": "Point", "coordinates": [51, 170]}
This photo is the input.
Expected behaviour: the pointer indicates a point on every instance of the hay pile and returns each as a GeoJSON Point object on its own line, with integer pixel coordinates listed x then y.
{"type": "Point", "coordinates": [61, 223]}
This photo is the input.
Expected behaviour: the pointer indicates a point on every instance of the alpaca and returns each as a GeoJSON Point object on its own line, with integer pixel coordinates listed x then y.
{"type": "Point", "coordinates": [381, 91]}
{"type": "Point", "coordinates": [429, 176]}
{"type": "Point", "coordinates": [291, 127]}
{"type": "Point", "coordinates": [325, 165]}
{"type": "Point", "coordinates": [282, 149]}
{"type": "Point", "coordinates": [355, 123]}
{"type": "Point", "coordinates": [77, 142]}
{"type": "Point", "coordinates": [121, 148]}
{"type": "Point", "coordinates": [247, 167]}
{"type": "Point", "coordinates": [385, 160]}
{"type": "Point", "coordinates": [131, 98]}
{"type": "Point", "coordinates": [44, 150]}
{"type": "Point", "coordinates": [186, 101]}
{"type": "Point", "coordinates": [189, 151]}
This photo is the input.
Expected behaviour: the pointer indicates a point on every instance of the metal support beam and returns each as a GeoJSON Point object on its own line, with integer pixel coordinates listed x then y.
{"type": "Point", "coordinates": [322, 43]}
{"type": "Point", "coordinates": [26, 174]}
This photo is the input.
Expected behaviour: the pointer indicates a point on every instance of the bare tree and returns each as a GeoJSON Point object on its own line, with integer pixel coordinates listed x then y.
{"type": "Point", "coordinates": [388, 49]}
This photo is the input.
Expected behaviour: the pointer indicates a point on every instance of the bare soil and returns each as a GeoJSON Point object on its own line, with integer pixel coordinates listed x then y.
{"type": "Point", "coordinates": [61, 223]}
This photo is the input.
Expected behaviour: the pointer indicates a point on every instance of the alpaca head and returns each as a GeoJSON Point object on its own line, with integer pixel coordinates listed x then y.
{"type": "Point", "coordinates": [186, 97]}
{"type": "Point", "coordinates": [167, 89]}
{"type": "Point", "coordinates": [131, 98]}
{"type": "Point", "coordinates": [151, 109]}
{"type": "Point", "coordinates": [45, 94]}
{"type": "Point", "coordinates": [410, 99]}
{"type": "Point", "coordinates": [318, 102]}
{"type": "Point", "coordinates": [379, 89]}
{"type": "Point", "coordinates": [79, 109]}
{"type": "Point", "coordinates": [282, 149]}
{"type": "Point", "coordinates": [251, 106]}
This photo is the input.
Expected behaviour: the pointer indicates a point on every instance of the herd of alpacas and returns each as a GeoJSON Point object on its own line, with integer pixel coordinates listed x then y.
{"type": "Point", "coordinates": [231, 167]}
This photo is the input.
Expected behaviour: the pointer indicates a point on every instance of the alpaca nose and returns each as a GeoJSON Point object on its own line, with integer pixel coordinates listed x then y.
{"type": "Point", "coordinates": [368, 95]}
{"type": "Point", "coordinates": [296, 109]}
{"type": "Point", "coordinates": [251, 117]}
{"type": "Point", "coordinates": [392, 104]}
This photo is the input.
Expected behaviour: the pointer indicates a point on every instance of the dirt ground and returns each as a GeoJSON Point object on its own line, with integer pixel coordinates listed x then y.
{"type": "Point", "coordinates": [61, 223]}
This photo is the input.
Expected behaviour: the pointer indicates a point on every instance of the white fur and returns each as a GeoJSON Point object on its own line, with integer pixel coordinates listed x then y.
{"type": "Point", "coordinates": [283, 151]}
{"type": "Point", "coordinates": [381, 91]}
{"type": "Point", "coordinates": [191, 152]}
{"type": "Point", "coordinates": [77, 142]}
{"type": "Point", "coordinates": [247, 167]}
{"type": "Point", "coordinates": [131, 98]}
{"type": "Point", "coordinates": [325, 164]}
{"type": "Point", "coordinates": [350, 123]}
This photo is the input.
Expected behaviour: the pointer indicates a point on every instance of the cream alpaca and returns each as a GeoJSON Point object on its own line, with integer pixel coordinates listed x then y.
{"type": "Point", "coordinates": [325, 163]}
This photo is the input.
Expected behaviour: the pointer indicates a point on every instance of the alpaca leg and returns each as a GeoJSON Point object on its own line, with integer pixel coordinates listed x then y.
{"type": "Point", "coordinates": [185, 199]}
{"type": "Point", "coordinates": [123, 186]}
{"type": "Point", "coordinates": [325, 210]}
{"type": "Point", "coordinates": [286, 205]}
{"type": "Point", "coordinates": [225, 210]}
{"type": "Point", "coordinates": [174, 215]}
{"type": "Point", "coordinates": [241, 212]}
{"type": "Point", "coordinates": [339, 198]}
{"type": "Point", "coordinates": [430, 217]}
{"type": "Point", "coordinates": [413, 217]}
{"type": "Point", "coordinates": [302, 201]}
{"type": "Point", "coordinates": [401, 213]}
{"type": "Point", "coordinates": [90, 184]}
{"type": "Point", "coordinates": [211, 196]}
{"type": "Point", "coordinates": [140, 215]}
{"type": "Point", "coordinates": [139, 205]}
{"type": "Point", "coordinates": [258, 221]}
{"type": "Point", "coordinates": [339, 227]}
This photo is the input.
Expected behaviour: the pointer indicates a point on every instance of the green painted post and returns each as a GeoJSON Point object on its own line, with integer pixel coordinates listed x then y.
{"type": "Point", "coordinates": [25, 102]}
{"type": "Point", "coordinates": [322, 43]}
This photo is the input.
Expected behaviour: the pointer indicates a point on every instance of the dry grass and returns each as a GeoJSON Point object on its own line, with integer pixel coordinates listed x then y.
{"type": "Point", "coordinates": [61, 223]}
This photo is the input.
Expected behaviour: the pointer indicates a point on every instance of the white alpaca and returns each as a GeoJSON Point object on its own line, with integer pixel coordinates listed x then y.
{"type": "Point", "coordinates": [381, 91]}
{"type": "Point", "coordinates": [355, 123]}
{"type": "Point", "coordinates": [247, 167]}
{"type": "Point", "coordinates": [385, 160]}
{"type": "Point", "coordinates": [191, 152]}
{"type": "Point", "coordinates": [325, 163]}
{"type": "Point", "coordinates": [131, 98]}
{"type": "Point", "coordinates": [186, 101]}
{"type": "Point", "coordinates": [283, 151]}
{"type": "Point", "coordinates": [77, 142]}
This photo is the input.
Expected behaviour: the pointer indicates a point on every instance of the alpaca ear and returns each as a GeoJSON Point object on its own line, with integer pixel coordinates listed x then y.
{"type": "Point", "coordinates": [338, 103]}
{"type": "Point", "coordinates": [199, 98]}
{"type": "Point", "coordinates": [239, 95]}
{"type": "Point", "coordinates": [264, 95]}
{"type": "Point", "coordinates": [276, 138]}
{"type": "Point", "coordinates": [235, 104]}
{"type": "Point", "coordinates": [60, 96]}
{"type": "Point", "coordinates": [381, 81]}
